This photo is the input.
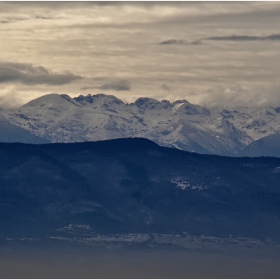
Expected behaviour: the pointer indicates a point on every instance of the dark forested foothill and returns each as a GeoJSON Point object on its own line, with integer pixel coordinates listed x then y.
{"type": "Point", "coordinates": [133, 185]}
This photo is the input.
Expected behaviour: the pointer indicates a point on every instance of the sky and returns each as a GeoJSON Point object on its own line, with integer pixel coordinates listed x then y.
{"type": "Point", "coordinates": [209, 53]}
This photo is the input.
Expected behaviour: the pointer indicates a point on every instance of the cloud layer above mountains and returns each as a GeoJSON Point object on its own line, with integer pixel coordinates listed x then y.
{"type": "Point", "coordinates": [273, 37]}
{"type": "Point", "coordinates": [197, 51]}
{"type": "Point", "coordinates": [33, 75]}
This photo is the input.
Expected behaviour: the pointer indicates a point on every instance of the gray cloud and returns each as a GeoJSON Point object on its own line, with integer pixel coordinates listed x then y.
{"type": "Point", "coordinates": [15, 5]}
{"type": "Point", "coordinates": [33, 75]}
{"type": "Point", "coordinates": [237, 96]}
{"type": "Point", "coordinates": [10, 100]}
{"type": "Point", "coordinates": [165, 87]}
{"type": "Point", "coordinates": [180, 42]}
{"type": "Point", "coordinates": [272, 37]}
{"type": "Point", "coordinates": [121, 85]}
{"type": "Point", "coordinates": [43, 17]}
{"type": "Point", "coordinates": [12, 19]}
{"type": "Point", "coordinates": [88, 87]}
{"type": "Point", "coordinates": [173, 42]}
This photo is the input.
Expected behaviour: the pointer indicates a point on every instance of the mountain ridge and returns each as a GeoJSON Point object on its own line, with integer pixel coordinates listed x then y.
{"type": "Point", "coordinates": [179, 124]}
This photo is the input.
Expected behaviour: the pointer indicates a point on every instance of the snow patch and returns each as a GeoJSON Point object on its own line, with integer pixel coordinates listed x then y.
{"type": "Point", "coordinates": [176, 146]}
{"type": "Point", "coordinates": [184, 184]}
{"type": "Point", "coordinates": [177, 106]}
{"type": "Point", "coordinates": [277, 169]}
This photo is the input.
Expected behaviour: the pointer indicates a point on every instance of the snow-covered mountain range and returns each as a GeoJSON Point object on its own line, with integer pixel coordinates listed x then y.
{"type": "Point", "coordinates": [60, 118]}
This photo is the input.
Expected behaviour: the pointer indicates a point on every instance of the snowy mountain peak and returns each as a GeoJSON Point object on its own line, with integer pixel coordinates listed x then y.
{"type": "Point", "coordinates": [190, 109]}
{"type": "Point", "coordinates": [234, 114]}
{"type": "Point", "coordinates": [181, 101]}
{"type": "Point", "coordinates": [52, 98]}
{"type": "Point", "coordinates": [165, 104]}
{"type": "Point", "coordinates": [98, 99]}
{"type": "Point", "coordinates": [147, 103]}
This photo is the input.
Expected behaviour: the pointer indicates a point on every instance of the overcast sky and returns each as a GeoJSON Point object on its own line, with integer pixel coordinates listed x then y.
{"type": "Point", "coordinates": [210, 53]}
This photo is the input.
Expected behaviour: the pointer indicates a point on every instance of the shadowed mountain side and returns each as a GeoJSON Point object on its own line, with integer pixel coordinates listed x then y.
{"type": "Point", "coordinates": [134, 185]}
{"type": "Point", "coordinates": [267, 146]}
{"type": "Point", "coordinates": [12, 133]}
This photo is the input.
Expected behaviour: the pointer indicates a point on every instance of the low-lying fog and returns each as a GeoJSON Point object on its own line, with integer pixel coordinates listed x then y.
{"type": "Point", "coordinates": [92, 262]}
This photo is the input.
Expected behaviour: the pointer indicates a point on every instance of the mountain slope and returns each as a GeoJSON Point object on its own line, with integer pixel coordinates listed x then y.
{"type": "Point", "coordinates": [13, 133]}
{"type": "Point", "coordinates": [134, 185]}
{"type": "Point", "coordinates": [256, 122]}
{"type": "Point", "coordinates": [266, 146]}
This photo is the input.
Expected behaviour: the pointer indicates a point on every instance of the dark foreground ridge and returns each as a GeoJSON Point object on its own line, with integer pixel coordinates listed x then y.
{"type": "Point", "coordinates": [133, 186]}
